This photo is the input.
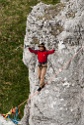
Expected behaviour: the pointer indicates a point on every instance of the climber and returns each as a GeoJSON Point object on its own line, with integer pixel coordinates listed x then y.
{"type": "Point", "coordinates": [42, 55]}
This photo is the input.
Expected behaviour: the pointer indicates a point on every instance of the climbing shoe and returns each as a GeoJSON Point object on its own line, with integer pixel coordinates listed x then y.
{"type": "Point", "coordinates": [39, 89]}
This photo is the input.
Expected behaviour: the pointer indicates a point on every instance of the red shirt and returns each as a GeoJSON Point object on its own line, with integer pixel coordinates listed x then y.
{"type": "Point", "coordinates": [42, 55]}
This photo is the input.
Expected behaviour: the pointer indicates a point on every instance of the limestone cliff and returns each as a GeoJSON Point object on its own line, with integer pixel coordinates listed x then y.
{"type": "Point", "coordinates": [61, 102]}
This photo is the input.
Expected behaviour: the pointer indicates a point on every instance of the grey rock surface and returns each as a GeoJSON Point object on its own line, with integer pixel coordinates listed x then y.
{"type": "Point", "coordinates": [5, 122]}
{"type": "Point", "coordinates": [61, 102]}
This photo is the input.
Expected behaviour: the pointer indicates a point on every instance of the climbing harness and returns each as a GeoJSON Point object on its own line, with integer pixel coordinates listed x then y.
{"type": "Point", "coordinates": [42, 65]}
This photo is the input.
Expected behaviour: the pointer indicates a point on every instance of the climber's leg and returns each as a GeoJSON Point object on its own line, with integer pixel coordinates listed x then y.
{"type": "Point", "coordinates": [43, 72]}
{"type": "Point", "coordinates": [42, 75]}
{"type": "Point", "coordinates": [39, 72]}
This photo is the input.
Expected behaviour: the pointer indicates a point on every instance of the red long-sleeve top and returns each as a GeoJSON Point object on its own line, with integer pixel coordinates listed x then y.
{"type": "Point", "coordinates": [42, 55]}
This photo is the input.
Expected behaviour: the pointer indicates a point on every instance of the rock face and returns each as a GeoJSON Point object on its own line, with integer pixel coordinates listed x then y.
{"type": "Point", "coordinates": [5, 122]}
{"type": "Point", "coordinates": [61, 102]}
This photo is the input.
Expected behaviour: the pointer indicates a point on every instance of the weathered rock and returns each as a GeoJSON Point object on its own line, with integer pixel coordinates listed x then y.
{"type": "Point", "coordinates": [61, 102]}
{"type": "Point", "coordinates": [5, 122]}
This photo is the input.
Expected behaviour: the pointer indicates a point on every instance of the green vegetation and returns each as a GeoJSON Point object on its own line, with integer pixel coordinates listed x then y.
{"type": "Point", "coordinates": [50, 1]}
{"type": "Point", "coordinates": [14, 84]}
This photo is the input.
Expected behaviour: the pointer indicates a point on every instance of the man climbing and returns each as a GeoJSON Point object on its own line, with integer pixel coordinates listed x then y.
{"type": "Point", "coordinates": [42, 55]}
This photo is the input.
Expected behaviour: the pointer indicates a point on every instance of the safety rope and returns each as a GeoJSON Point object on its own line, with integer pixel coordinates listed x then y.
{"type": "Point", "coordinates": [66, 64]}
{"type": "Point", "coordinates": [30, 96]}
{"type": "Point", "coordinates": [22, 103]}
{"type": "Point", "coordinates": [27, 100]}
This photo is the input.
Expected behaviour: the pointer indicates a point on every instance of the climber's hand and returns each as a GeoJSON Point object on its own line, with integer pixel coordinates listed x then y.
{"type": "Point", "coordinates": [26, 46]}
{"type": "Point", "coordinates": [29, 46]}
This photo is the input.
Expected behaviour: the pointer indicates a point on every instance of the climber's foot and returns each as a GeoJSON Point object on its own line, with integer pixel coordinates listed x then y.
{"type": "Point", "coordinates": [39, 89]}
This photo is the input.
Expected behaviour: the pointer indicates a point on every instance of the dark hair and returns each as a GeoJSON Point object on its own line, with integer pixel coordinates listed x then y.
{"type": "Point", "coordinates": [44, 48]}
{"type": "Point", "coordinates": [41, 44]}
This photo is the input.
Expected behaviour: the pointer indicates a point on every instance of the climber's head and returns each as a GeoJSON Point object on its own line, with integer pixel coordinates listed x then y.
{"type": "Point", "coordinates": [42, 47]}
{"type": "Point", "coordinates": [13, 110]}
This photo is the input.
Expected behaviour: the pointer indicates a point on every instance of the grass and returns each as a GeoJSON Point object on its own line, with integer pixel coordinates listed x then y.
{"type": "Point", "coordinates": [14, 84]}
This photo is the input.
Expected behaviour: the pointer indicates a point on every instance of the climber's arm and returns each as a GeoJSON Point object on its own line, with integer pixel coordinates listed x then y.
{"type": "Point", "coordinates": [33, 51]}
{"type": "Point", "coordinates": [50, 51]}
